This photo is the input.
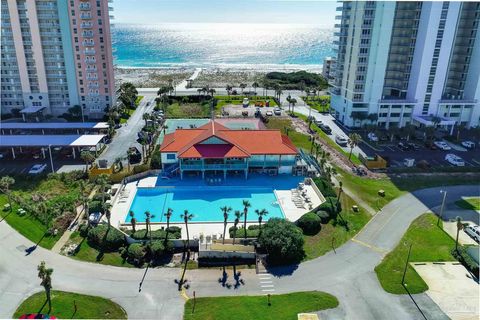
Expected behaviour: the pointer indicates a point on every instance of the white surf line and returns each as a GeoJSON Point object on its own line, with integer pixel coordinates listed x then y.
{"type": "Point", "coordinates": [268, 290]}
{"type": "Point", "coordinates": [265, 281]}
{"type": "Point", "coordinates": [267, 286]}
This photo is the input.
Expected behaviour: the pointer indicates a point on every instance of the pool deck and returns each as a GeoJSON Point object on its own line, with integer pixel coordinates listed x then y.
{"type": "Point", "coordinates": [284, 192]}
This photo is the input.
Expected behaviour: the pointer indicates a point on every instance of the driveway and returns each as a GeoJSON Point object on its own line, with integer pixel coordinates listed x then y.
{"type": "Point", "coordinates": [452, 288]}
{"type": "Point", "coordinates": [126, 136]}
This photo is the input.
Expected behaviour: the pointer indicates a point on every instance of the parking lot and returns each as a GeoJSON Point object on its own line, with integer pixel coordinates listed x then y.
{"type": "Point", "coordinates": [395, 155]}
{"type": "Point", "coordinates": [239, 111]}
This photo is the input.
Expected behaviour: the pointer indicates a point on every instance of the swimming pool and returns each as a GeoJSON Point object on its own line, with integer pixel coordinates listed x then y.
{"type": "Point", "coordinates": [204, 202]}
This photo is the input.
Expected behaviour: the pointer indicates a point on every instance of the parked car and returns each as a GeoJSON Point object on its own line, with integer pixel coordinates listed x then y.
{"type": "Point", "coordinates": [325, 128]}
{"type": "Point", "coordinates": [413, 146]}
{"type": "Point", "coordinates": [277, 111]}
{"type": "Point", "coordinates": [257, 112]}
{"type": "Point", "coordinates": [442, 145]}
{"type": "Point", "coordinates": [269, 113]}
{"type": "Point", "coordinates": [318, 123]}
{"type": "Point", "coordinates": [455, 160]}
{"type": "Point", "coordinates": [372, 137]}
{"type": "Point", "coordinates": [430, 145]}
{"type": "Point", "coordinates": [473, 232]}
{"type": "Point", "coordinates": [134, 155]}
{"type": "Point", "coordinates": [468, 144]}
{"type": "Point", "coordinates": [341, 140]}
{"type": "Point", "coordinates": [408, 162]}
{"type": "Point", "coordinates": [37, 169]}
{"type": "Point", "coordinates": [402, 146]}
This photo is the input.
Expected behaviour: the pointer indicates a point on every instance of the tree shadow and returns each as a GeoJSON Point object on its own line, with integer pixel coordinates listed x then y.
{"type": "Point", "coordinates": [223, 280]}
{"type": "Point", "coordinates": [43, 306]}
{"type": "Point", "coordinates": [29, 250]}
{"type": "Point", "coordinates": [414, 302]}
{"type": "Point", "coordinates": [5, 216]}
{"type": "Point", "coordinates": [281, 271]}
{"type": "Point", "coordinates": [236, 276]}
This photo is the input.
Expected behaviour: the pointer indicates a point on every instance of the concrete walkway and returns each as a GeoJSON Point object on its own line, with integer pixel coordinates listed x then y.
{"type": "Point", "coordinates": [348, 274]}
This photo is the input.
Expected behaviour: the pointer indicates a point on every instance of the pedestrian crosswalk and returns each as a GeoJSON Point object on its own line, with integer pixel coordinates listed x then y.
{"type": "Point", "coordinates": [266, 282]}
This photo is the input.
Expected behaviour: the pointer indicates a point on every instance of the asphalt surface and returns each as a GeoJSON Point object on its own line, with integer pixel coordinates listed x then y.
{"type": "Point", "coordinates": [126, 136]}
{"type": "Point", "coordinates": [348, 273]}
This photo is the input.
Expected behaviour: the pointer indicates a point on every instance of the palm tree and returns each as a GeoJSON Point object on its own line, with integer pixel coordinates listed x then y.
{"type": "Point", "coordinates": [238, 215]}
{"type": "Point", "coordinates": [340, 190]}
{"type": "Point", "coordinates": [45, 274]}
{"type": "Point", "coordinates": [255, 85]}
{"type": "Point", "coordinates": [106, 211]}
{"type": "Point", "coordinates": [83, 186]}
{"type": "Point", "coordinates": [293, 101]}
{"type": "Point", "coordinates": [212, 91]}
{"type": "Point", "coordinates": [225, 211]}
{"type": "Point", "coordinates": [353, 141]}
{"type": "Point", "coordinates": [229, 88]}
{"type": "Point", "coordinates": [133, 221]}
{"type": "Point", "coordinates": [459, 227]}
{"type": "Point", "coordinates": [246, 205]}
{"type": "Point", "coordinates": [186, 217]}
{"type": "Point", "coordinates": [261, 213]}
{"type": "Point", "coordinates": [168, 215]}
{"type": "Point", "coordinates": [88, 158]}
{"type": "Point", "coordinates": [148, 225]}
{"type": "Point", "coordinates": [5, 183]}
{"type": "Point", "coordinates": [146, 117]}
{"type": "Point", "coordinates": [243, 86]}
{"type": "Point", "coordinates": [102, 182]}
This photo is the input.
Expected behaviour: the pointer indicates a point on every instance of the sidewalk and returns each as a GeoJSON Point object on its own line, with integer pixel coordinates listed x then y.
{"type": "Point", "coordinates": [357, 199]}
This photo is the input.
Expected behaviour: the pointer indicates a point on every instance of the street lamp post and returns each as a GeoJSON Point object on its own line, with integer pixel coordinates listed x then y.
{"type": "Point", "coordinates": [51, 159]}
{"type": "Point", "coordinates": [443, 205]}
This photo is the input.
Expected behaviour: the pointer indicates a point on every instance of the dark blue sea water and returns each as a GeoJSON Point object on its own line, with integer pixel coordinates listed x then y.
{"type": "Point", "coordinates": [233, 45]}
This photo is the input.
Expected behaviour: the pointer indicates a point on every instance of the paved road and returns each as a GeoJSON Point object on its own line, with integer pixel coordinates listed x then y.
{"type": "Point", "coordinates": [126, 136]}
{"type": "Point", "coordinates": [348, 274]}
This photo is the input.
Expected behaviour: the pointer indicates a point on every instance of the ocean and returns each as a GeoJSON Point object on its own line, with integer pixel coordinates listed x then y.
{"type": "Point", "coordinates": [221, 45]}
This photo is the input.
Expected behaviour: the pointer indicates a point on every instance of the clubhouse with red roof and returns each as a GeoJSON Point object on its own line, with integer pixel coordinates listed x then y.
{"type": "Point", "coordinates": [214, 149]}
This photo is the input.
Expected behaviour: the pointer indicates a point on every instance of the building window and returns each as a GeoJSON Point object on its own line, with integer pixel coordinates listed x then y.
{"type": "Point", "coordinates": [170, 156]}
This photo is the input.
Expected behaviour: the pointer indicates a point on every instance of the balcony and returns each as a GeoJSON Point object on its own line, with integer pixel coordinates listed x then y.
{"type": "Point", "coordinates": [86, 15]}
{"type": "Point", "coordinates": [213, 166]}
{"type": "Point", "coordinates": [93, 94]}
{"type": "Point", "coordinates": [89, 51]}
{"type": "Point", "coordinates": [85, 6]}
{"type": "Point", "coordinates": [87, 43]}
{"type": "Point", "coordinates": [92, 76]}
{"type": "Point", "coordinates": [90, 61]}
{"type": "Point", "coordinates": [91, 68]}
{"type": "Point", "coordinates": [87, 34]}
{"type": "Point", "coordinates": [93, 85]}
{"type": "Point", "coordinates": [86, 25]}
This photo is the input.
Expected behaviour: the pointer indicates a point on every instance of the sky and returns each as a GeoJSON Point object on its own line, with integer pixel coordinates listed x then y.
{"type": "Point", "coordinates": [320, 13]}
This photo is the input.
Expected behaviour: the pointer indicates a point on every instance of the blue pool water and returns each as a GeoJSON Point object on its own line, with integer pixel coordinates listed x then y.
{"type": "Point", "coordinates": [203, 202]}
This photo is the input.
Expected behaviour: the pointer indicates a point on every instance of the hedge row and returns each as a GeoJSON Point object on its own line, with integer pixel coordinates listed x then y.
{"type": "Point", "coordinates": [252, 231]}
{"type": "Point", "coordinates": [173, 233]}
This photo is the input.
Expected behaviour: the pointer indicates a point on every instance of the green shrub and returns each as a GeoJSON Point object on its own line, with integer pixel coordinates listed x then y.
{"type": "Point", "coordinates": [83, 229]}
{"type": "Point", "coordinates": [141, 168]}
{"type": "Point", "coordinates": [466, 259]}
{"type": "Point", "coordinates": [109, 239]}
{"type": "Point", "coordinates": [156, 161]}
{"type": "Point", "coordinates": [174, 233]}
{"type": "Point", "coordinates": [324, 216]}
{"type": "Point", "coordinates": [99, 197]}
{"type": "Point", "coordinates": [325, 187]}
{"type": "Point", "coordinates": [310, 223]}
{"type": "Point", "coordinates": [136, 252]}
{"type": "Point", "coordinates": [330, 206]}
{"type": "Point", "coordinates": [282, 240]}
{"type": "Point", "coordinates": [94, 206]}
{"type": "Point", "coordinates": [118, 177]}
{"type": "Point", "coordinates": [251, 232]}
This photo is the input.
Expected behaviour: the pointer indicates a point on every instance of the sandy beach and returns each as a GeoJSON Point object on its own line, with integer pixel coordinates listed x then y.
{"type": "Point", "coordinates": [213, 77]}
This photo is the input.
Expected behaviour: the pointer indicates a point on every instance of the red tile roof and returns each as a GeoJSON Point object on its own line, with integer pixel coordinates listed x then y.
{"type": "Point", "coordinates": [187, 143]}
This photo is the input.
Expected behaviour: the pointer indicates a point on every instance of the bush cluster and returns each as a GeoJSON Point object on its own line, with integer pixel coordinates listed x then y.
{"type": "Point", "coordinates": [282, 240]}
{"type": "Point", "coordinates": [466, 260]}
{"type": "Point", "coordinates": [105, 237]}
{"type": "Point", "coordinates": [173, 233]}
{"type": "Point", "coordinates": [138, 253]}
{"type": "Point", "coordinates": [156, 160]}
{"type": "Point", "coordinates": [325, 187]}
{"type": "Point", "coordinates": [310, 223]}
{"type": "Point", "coordinates": [252, 231]}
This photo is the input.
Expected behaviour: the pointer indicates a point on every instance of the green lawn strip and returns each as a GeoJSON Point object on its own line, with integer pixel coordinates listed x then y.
{"type": "Point", "coordinates": [469, 203]}
{"type": "Point", "coordinates": [129, 112]}
{"type": "Point", "coordinates": [416, 182]}
{"type": "Point", "coordinates": [137, 101]}
{"type": "Point", "coordinates": [367, 188]}
{"type": "Point", "coordinates": [88, 307]}
{"type": "Point", "coordinates": [224, 100]}
{"type": "Point", "coordinates": [430, 244]}
{"type": "Point", "coordinates": [285, 306]}
{"type": "Point", "coordinates": [300, 140]}
{"type": "Point", "coordinates": [321, 243]}
{"type": "Point", "coordinates": [325, 137]}
{"type": "Point", "coordinates": [89, 254]}
{"type": "Point", "coordinates": [315, 103]}
{"type": "Point", "coordinates": [188, 110]}
{"type": "Point", "coordinates": [27, 225]}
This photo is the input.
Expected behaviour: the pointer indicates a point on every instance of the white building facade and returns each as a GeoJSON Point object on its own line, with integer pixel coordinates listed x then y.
{"type": "Point", "coordinates": [401, 63]}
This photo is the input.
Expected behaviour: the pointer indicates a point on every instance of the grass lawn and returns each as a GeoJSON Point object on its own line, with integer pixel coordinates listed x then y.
{"type": "Point", "coordinates": [137, 101]}
{"type": "Point", "coordinates": [188, 110]}
{"type": "Point", "coordinates": [325, 137]}
{"type": "Point", "coordinates": [89, 254]}
{"type": "Point", "coordinates": [321, 243]}
{"type": "Point", "coordinates": [367, 188]}
{"type": "Point", "coordinates": [469, 203]}
{"type": "Point", "coordinates": [285, 306]}
{"type": "Point", "coordinates": [316, 103]}
{"type": "Point", "coordinates": [300, 140]}
{"type": "Point", "coordinates": [88, 307]}
{"type": "Point", "coordinates": [129, 112]}
{"type": "Point", "coordinates": [430, 243]}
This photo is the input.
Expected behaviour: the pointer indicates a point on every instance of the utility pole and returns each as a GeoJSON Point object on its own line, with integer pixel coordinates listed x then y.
{"type": "Point", "coordinates": [443, 205]}
{"type": "Point", "coordinates": [406, 264]}
{"type": "Point", "coordinates": [51, 159]}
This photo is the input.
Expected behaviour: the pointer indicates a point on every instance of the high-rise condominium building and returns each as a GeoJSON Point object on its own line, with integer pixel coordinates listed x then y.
{"type": "Point", "coordinates": [56, 54]}
{"type": "Point", "coordinates": [402, 63]}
